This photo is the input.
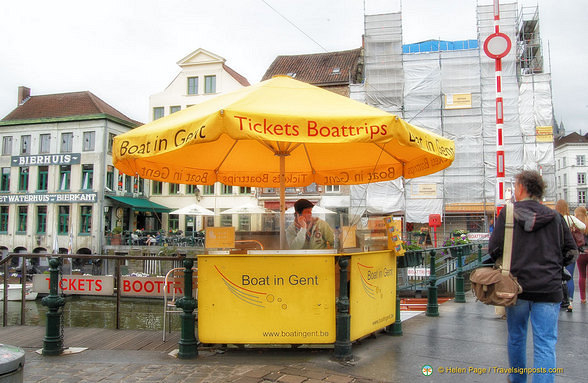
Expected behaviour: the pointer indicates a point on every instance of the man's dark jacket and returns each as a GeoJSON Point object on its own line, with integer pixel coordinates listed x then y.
{"type": "Point", "coordinates": [541, 241]}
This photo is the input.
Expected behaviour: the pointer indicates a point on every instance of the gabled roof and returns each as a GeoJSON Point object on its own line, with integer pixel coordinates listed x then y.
{"type": "Point", "coordinates": [240, 79]}
{"type": "Point", "coordinates": [319, 68]}
{"type": "Point", "coordinates": [572, 138]}
{"type": "Point", "coordinates": [202, 56]}
{"type": "Point", "coordinates": [64, 106]}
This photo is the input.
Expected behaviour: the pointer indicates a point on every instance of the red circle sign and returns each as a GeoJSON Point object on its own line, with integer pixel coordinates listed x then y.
{"type": "Point", "coordinates": [497, 45]}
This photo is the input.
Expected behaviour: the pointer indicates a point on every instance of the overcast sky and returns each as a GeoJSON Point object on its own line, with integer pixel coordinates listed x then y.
{"type": "Point", "coordinates": [123, 51]}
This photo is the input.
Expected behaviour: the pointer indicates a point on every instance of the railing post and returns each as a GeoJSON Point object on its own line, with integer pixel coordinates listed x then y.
{"type": "Point", "coordinates": [53, 343]}
{"type": "Point", "coordinates": [459, 287]}
{"type": "Point", "coordinates": [395, 329]}
{"type": "Point", "coordinates": [479, 253]}
{"type": "Point", "coordinates": [342, 349]}
{"type": "Point", "coordinates": [5, 296]}
{"type": "Point", "coordinates": [188, 345]}
{"type": "Point", "coordinates": [432, 304]}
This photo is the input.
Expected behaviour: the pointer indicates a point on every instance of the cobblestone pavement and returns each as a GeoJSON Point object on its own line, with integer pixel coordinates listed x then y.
{"type": "Point", "coordinates": [120, 366]}
{"type": "Point", "coordinates": [465, 343]}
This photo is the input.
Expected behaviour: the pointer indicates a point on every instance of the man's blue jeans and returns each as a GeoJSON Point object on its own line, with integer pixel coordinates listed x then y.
{"type": "Point", "coordinates": [544, 316]}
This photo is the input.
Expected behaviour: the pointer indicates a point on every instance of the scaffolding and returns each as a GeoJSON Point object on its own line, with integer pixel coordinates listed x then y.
{"type": "Point", "coordinates": [449, 88]}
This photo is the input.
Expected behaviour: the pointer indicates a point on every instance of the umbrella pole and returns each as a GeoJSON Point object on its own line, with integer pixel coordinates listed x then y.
{"type": "Point", "coordinates": [282, 201]}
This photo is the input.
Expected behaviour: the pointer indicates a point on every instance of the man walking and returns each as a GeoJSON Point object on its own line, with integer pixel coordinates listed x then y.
{"type": "Point", "coordinates": [542, 246]}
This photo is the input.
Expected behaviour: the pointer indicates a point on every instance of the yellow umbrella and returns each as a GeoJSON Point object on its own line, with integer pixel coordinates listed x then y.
{"type": "Point", "coordinates": [280, 133]}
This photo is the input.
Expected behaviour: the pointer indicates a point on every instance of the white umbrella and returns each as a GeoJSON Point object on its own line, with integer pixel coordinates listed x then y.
{"type": "Point", "coordinates": [194, 209]}
{"type": "Point", "coordinates": [315, 210]}
{"type": "Point", "coordinates": [248, 208]}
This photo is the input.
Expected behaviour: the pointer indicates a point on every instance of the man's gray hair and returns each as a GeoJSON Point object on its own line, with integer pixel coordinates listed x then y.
{"type": "Point", "coordinates": [532, 181]}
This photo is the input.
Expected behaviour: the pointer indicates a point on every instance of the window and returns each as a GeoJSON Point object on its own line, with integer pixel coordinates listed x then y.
{"type": "Point", "coordinates": [44, 143]}
{"type": "Point", "coordinates": [174, 222]}
{"type": "Point", "coordinates": [564, 162]}
{"type": "Point", "coordinates": [7, 145]}
{"type": "Point", "coordinates": [23, 179]}
{"type": "Point", "coordinates": [87, 176]}
{"type": "Point", "coordinates": [565, 176]}
{"type": "Point", "coordinates": [89, 141]}
{"type": "Point", "coordinates": [209, 84]}
{"type": "Point", "coordinates": [66, 142]}
{"type": "Point", "coordinates": [174, 189]}
{"type": "Point", "coordinates": [63, 219]}
{"type": "Point", "coordinates": [41, 219]}
{"type": "Point", "coordinates": [580, 160]}
{"type": "Point", "coordinates": [582, 196]}
{"type": "Point", "coordinates": [120, 182]}
{"type": "Point", "coordinates": [192, 85]}
{"type": "Point", "coordinates": [312, 188]}
{"type": "Point", "coordinates": [141, 183]}
{"type": "Point", "coordinates": [157, 112]}
{"type": "Point", "coordinates": [22, 219]}
{"type": "Point", "coordinates": [226, 220]}
{"type": "Point", "coordinates": [244, 222]}
{"type": "Point", "coordinates": [226, 189]}
{"type": "Point", "coordinates": [5, 180]}
{"type": "Point", "coordinates": [25, 144]}
{"type": "Point", "coordinates": [110, 142]}
{"type": "Point", "coordinates": [42, 178]}
{"type": "Point", "coordinates": [157, 188]}
{"type": "Point", "coordinates": [244, 190]}
{"type": "Point", "coordinates": [581, 178]}
{"type": "Point", "coordinates": [110, 177]}
{"type": "Point", "coordinates": [175, 108]}
{"type": "Point", "coordinates": [3, 219]}
{"type": "Point", "coordinates": [332, 188]}
{"type": "Point", "coordinates": [128, 184]}
{"type": "Point", "coordinates": [208, 190]}
{"type": "Point", "coordinates": [64, 177]}
{"type": "Point", "coordinates": [86, 220]}
{"type": "Point", "coordinates": [189, 225]}
{"type": "Point", "coordinates": [192, 189]}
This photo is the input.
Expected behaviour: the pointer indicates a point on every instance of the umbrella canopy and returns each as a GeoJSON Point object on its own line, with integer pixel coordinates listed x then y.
{"type": "Point", "coordinates": [248, 209]}
{"type": "Point", "coordinates": [280, 132]}
{"type": "Point", "coordinates": [194, 209]}
{"type": "Point", "coordinates": [315, 210]}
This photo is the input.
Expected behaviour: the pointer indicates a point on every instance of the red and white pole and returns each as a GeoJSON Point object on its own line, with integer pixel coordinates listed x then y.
{"type": "Point", "coordinates": [496, 46]}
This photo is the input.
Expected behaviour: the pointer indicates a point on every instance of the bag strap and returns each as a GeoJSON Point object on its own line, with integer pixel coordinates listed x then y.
{"type": "Point", "coordinates": [508, 228]}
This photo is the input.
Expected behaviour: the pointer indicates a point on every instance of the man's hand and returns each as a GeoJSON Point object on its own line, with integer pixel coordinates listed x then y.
{"type": "Point", "coordinates": [300, 222]}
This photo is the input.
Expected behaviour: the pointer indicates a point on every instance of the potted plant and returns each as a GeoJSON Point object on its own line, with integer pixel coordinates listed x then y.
{"type": "Point", "coordinates": [412, 257]}
{"type": "Point", "coordinates": [116, 237]}
{"type": "Point", "coordinates": [458, 238]}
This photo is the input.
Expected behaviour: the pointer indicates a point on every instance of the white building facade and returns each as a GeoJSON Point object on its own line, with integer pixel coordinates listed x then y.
{"type": "Point", "coordinates": [203, 75]}
{"type": "Point", "coordinates": [56, 166]}
{"type": "Point", "coordinates": [571, 154]}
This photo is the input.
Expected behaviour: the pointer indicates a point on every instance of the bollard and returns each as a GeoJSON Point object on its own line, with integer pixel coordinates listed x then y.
{"type": "Point", "coordinates": [53, 343]}
{"type": "Point", "coordinates": [479, 254]}
{"type": "Point", "coordinates": [342, 349]}
{"type": "Point", "coordinates": [459, 286]}
{"type": "Point", "coordinates": [187, 344]}
{"type": "Point", "coordinates": [395, 329]}
{"type": "Point", "coordinates": [432, 304]}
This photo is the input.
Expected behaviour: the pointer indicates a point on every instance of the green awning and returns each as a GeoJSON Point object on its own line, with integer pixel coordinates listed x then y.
{"type": "Point", "coordinates": [140, 204]}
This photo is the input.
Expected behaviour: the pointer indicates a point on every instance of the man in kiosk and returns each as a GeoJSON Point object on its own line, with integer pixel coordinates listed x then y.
{"type": "Point", "coordinates": [307, 232]}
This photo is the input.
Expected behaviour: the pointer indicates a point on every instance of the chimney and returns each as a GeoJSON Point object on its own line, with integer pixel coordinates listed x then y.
{"type": "Point", "coordinates": [24, 94]}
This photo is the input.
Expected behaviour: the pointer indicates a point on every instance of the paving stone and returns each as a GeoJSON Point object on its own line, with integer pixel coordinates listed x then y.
{"type": "Point", "coordinates": [291, 379]}
{"type": "Point", "coordinates": [339, 379]}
